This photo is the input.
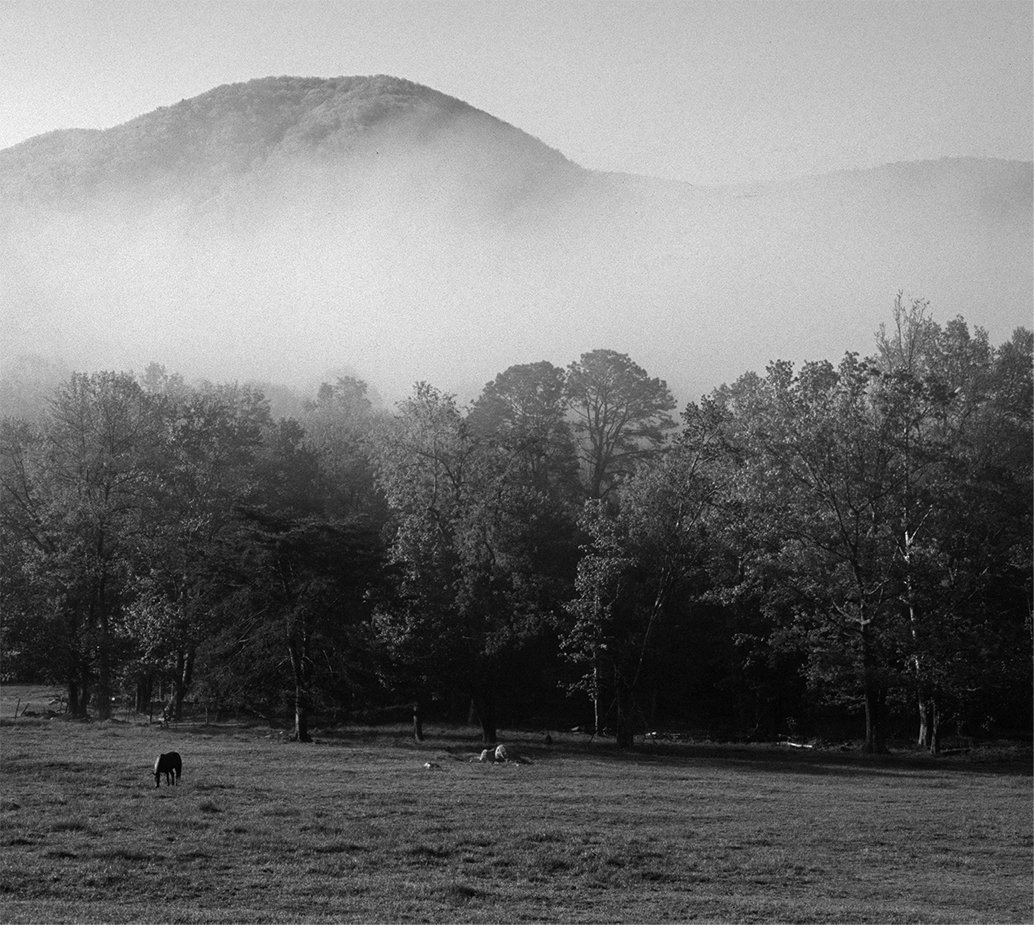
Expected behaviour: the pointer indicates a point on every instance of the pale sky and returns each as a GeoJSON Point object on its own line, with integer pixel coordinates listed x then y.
{"type": "Point", "coordinates": [707, 92]}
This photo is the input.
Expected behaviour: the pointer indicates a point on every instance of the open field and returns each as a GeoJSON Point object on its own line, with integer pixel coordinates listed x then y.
{"type": "Point", "coordinates": [354, 828]}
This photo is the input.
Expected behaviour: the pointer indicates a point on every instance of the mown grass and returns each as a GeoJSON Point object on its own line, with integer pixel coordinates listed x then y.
{"type": "Point", "coordinates": [355, 829]}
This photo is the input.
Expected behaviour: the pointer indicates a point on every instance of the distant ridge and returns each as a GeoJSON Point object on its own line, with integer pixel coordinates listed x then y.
{"type": "Point", "coordinates": [247, 127]}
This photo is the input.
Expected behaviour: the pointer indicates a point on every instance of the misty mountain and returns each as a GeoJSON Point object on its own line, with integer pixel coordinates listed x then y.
{"type": "Point", "coordinates": [244, 141]}
{"type": "Point", "coordinates": [287, 226]}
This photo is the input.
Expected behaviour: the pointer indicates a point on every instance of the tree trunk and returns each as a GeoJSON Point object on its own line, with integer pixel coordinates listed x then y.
{"type": "Point", "coordinates": [418, 724]}
{"type": "Point", "coordinates": [926, 715]}
{"type": "Point", "coordinates": [484, 706]}
{"type": "Point", "coordinates": [297, 647]}
{"type": "Point", "coordinates": [625, 729]}
{"type": "Point", "coordinates": [875, 696]}
{"type": "Point", "coordinates": [104, 674]}
{"type": "Point", "coordinates": [99, 611]}
{"type": "Point", "coordinates": [875, 710]}
{"type": "Point", "coordinates": [181, 684]}
{"type": "Point", "coordinates": [596, 714]}
{"type": "Point", "coordinates": [78, 698]}
{"type": "Point", "coordinates": [103, 697]}
{"type": "Point", "coordinates": [144, 692]}
{"type": "Point", "coordinates": [301, 706]}
{"type": "Point", "coordinates": [301, 716]}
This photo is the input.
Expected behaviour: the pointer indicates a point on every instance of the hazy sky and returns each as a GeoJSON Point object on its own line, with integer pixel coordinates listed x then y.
{"type": "Point", "coordinates": [708, 92]}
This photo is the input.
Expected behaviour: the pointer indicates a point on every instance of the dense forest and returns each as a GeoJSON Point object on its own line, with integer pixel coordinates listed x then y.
{"type": "Point", "coordinates": [840, 550]}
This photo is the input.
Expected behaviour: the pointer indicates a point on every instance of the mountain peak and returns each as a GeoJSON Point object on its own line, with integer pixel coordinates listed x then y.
{"type": "Point", "coordinates": [237, 129]}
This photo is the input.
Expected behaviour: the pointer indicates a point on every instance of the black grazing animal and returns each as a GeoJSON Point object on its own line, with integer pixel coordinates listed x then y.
{"type": "Point", "coordinates": [170, 764]}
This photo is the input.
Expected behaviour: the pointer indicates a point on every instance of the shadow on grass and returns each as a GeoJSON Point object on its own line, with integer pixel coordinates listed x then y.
{"type": "Point", "coordinates": [778, 757]}
{"type": "Point", "coordinates": [460, 743]}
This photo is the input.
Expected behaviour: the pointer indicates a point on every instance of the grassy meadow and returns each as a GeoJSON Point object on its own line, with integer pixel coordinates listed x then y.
{"type": "Point", "coordinates": [355, 828]}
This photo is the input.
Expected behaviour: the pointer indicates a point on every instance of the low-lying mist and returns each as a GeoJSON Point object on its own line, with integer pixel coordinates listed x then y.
{"type": "Point", "coordinates": [450, 258]}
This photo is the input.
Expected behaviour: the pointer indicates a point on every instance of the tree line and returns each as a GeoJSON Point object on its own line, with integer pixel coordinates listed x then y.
{"type": "Point", "coordinates": [834, 547]}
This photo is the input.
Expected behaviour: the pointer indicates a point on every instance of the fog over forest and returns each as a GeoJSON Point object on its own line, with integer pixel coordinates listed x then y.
{"type": "Point", "coordinates": [531, 531]}
{"type": "Point", "coordinates": [286, 228]}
